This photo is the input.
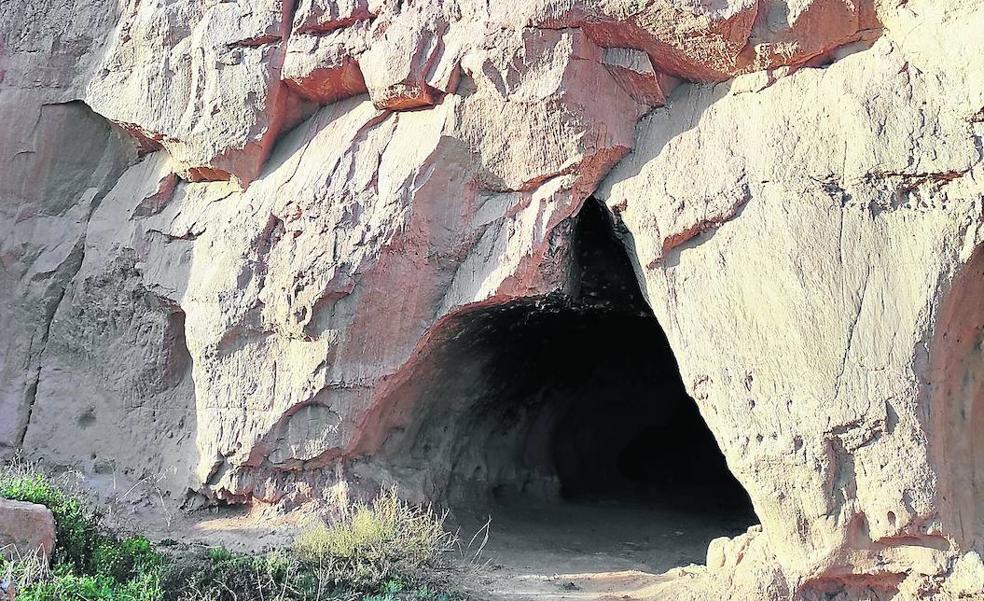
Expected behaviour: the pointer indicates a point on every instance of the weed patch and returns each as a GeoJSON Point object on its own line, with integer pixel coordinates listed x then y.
{"type": "Point", "coordinates": [371, 543]}
{"type": "Point", "coordinates": [384, 550]}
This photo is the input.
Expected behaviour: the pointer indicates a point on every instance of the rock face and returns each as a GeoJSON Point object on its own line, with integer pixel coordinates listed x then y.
{"type": "Point", "coordinates": [232, 234]}
{"type": "Point", "coordinates": [26, 529]}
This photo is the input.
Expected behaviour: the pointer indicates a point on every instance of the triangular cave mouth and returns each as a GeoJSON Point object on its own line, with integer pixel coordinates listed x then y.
{"type": "Point", "coordinates": [569, 404]}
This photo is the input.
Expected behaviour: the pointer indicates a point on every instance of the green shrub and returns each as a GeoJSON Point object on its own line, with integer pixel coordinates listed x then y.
{"type": "Point", "coordinates": [371, 543]}
{"type": "Point", "coordinates": [70, 587]}
{"type": "Point", "coordinates": [426, 593]}
{"type": "Point", "coordinates": [125, 559]}
{"type": "Point", "coordinates": [89, 563]}
{"type": "Point", "coordinates": [76, 529]}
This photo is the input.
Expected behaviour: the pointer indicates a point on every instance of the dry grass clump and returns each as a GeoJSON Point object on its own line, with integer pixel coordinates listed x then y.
{"type": "Point", "coordinates": [370, 543]}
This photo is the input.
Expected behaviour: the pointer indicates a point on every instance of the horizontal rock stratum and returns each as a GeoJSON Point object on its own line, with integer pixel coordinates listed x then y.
{"type": "Point", "coordinates": [233, 233]}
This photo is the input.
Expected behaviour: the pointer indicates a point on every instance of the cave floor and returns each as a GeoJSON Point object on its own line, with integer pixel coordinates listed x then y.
{"type": "Point", "coordinates": [588, 550]}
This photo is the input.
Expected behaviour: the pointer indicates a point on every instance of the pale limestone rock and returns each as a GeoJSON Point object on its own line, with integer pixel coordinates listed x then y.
{"type": "Point", "coordinates": [307, 304]}
{"type": "Point", "coordinates": [256, 287]}
{"type": "Point", "coordinates": [55, 173]}
{"type": "Point", "coordinates": [633, 70]}
{"type": "Point", "coordinates": [797, 32]}
{"type": "Point", "coordinates": [694, 40]}
{"type": "Point", "coordinates": [70, 37]}
{"type": "Point", "coordinates": [848, 199]}
{"type": "Point", "coordinates": [727, 553]}
{"type": "Point", "coordinates": [201, 79]}
{"type": "Point", "coordinates": [411, 55]}
{"type": "Point", "coordinates": [964, 580]}
{"type": "Point", "coordinates": [56, 159]}
{"type": "Point", "coordinates": [559, 123]}
{"type": "Point", "coordinates": [323, 66]}
{"type": "Point", "coordinates": [329, 15]}
{"type": "Point", "coordinates": [404, 48]}
{"type": "Point", "coordinates": [116, 368]}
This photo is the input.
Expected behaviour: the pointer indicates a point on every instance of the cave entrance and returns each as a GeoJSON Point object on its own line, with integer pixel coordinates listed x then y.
{"type": "Point", "coordinates": [566, 419]}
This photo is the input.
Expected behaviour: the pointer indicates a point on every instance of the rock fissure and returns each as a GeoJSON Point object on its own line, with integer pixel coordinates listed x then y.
{"type": "Point", "coordinates": [258, 41]}
{"type": "Point", "coordinates": [70, 267]}
{"type": "Point", "coordinates": [852, 328]}
{"type": "Point", "coordinates": [330, 26]}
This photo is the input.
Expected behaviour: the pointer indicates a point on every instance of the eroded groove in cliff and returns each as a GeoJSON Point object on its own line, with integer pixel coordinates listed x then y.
{"type": "Point", "coordinates": [65, 273]}
{"type": "Point", "coordinates": [80, 169]}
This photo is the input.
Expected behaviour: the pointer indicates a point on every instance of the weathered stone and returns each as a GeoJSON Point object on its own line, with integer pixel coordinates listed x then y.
{"type": "Point", "coordinates": [323, 48]}
{"type": "Point", "coordinates": [26, 530]}
{"type": "Point", "coordinates": [56, 166]}
{"type": "Point", "coordinates": [323, 66]}
{"type": "Point", "coordinates": [201, 79]}
{"type": "Point", "coordinates": [405, 46]}
{"type": "Point", "coordinates": [858, 213]}
{"type": "Point", "coordinates": [633, 70]}
{"type": "Point", "coordinates": [807, 230]}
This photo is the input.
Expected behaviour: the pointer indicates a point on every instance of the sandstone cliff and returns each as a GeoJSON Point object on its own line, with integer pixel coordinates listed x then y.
{"type": "Point", "coordinates": [233, 232]}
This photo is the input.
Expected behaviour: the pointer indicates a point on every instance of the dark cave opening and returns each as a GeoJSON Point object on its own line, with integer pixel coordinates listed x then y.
{"type": "Point", "coordinates": [573, 400]}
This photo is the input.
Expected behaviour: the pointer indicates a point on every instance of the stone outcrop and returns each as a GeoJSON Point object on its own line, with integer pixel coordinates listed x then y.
{"type": "Point", "coordinates": [26, 530]}
{"type": "Point", "coordinates": [231, 233]}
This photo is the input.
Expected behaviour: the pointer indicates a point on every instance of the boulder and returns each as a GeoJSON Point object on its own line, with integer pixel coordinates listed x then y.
{"type": "Point", "coordinates": [26, 529]}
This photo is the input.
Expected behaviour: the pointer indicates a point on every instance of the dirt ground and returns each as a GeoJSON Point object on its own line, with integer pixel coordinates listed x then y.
{"type": "Point", "coordinates": [590, 550]}
{"type": "Point", "coordinates": [562, 551]}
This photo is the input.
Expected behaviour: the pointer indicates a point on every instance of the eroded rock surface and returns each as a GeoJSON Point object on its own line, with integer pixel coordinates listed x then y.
{"type": "Point", "coordinates": [233, 231]}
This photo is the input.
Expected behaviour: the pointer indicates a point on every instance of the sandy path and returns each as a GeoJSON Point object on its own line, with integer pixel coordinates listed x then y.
{"type": "Point", "coordinates": [590, 551]}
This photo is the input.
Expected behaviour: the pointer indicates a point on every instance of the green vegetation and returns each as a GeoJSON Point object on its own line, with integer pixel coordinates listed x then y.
{"type": "Point", "coordinates": [65, 586]}
{"type": "Point", "coordinates": [386, 550]}
{"type": "Point", "coordinates": [76, 529]}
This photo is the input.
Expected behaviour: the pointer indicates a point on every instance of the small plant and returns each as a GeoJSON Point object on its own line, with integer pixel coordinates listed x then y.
{"type": "Point", "coordinates": [22, 571]}
{"type": "Point", "coordinates": [371, 544]}
{"type": "Point", "coordinates": [220, 554]}
{"type": "Point", "coordinates": [392, 587]}
{"type": "Point", "coordinates": [125, 559]}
